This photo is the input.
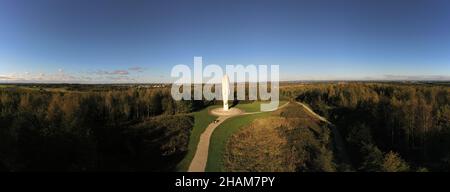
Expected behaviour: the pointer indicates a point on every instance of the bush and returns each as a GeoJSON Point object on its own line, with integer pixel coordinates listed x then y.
{"type": "Point", "coordinates": [393, 163]}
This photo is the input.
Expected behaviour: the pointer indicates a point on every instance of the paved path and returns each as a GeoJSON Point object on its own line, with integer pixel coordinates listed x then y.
{"type": "Point", "coordinates": [198, 163]}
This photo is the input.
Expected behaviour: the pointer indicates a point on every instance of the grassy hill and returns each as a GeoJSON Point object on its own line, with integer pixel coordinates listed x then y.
{"type": "Point", "coordinates": [264, 142]}
{"type": "Point", "coordinates": [285, 140]}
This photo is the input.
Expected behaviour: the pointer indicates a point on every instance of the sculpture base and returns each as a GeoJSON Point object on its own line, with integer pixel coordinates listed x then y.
{"type": "Point", "coordinates": [229, 112]}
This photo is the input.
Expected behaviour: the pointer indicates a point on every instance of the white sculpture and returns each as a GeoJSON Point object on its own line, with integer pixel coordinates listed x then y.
{"type": "Point", "coordinates": [225, 91]}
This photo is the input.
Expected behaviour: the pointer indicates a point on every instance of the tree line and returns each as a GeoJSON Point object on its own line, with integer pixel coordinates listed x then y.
{"type": "Point", "coordinates": [387, 127]}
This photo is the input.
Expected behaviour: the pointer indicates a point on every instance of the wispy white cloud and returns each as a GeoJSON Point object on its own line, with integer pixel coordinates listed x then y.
{"type": "Point", "coordinates": [136, 69]}
{"type": "Point", "coordinates": [115, 72]}
{"type": "Point", "coordinates": [120, 72]}
{"type": "Point", "coordinates": [6, 78]}
{"type": "Point", "coordinates": [59, 75]}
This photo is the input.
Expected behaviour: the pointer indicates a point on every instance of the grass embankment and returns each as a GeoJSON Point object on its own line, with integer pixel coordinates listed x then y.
{"type": "Point", "coordinates": [288, 139]}
{"type": "Point", "coordinates": [258, 147]}
{"type": "Point", "coordinates": [222, 133]}
{"type": "Point", "coordinates": [202, 120]}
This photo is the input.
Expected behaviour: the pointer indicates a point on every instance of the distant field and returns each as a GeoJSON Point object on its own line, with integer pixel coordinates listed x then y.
{"type": "Point", "coordinates": [37, 88]}
{"type": "Point", "coordinates": [4, 86]}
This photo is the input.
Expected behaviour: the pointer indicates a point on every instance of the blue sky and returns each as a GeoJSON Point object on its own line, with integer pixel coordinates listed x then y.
{"type": "Point", "coordinates": [140, 41]}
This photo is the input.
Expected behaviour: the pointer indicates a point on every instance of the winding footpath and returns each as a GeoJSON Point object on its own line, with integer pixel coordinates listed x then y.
{"type": "Point", "coordinates": [198, 163]}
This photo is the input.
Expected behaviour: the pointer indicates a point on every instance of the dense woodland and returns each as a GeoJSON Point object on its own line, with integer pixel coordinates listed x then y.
{"type": "Point", "coordinates": [387, 127]}
{"type": "Point", "coordinates": [126, 129]}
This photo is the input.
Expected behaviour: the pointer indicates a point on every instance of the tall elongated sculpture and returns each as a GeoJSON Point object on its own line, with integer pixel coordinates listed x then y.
{"type": "Point", "coordinates": [225, 91]}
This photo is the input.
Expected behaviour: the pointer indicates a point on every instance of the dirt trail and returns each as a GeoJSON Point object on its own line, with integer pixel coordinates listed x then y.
{"type": "Point", "coordinates": [313, 113]}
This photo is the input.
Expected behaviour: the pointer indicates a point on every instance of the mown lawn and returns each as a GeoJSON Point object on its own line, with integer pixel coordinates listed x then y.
{"type": "Point", "coordinates": [250, 107]}
{"type": "Point", "coordinates": [202, 120]}
{"type": "Point", "coordinates": [254, 106]}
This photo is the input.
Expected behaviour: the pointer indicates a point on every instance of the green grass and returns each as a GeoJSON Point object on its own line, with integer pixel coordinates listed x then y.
{"type": "Point", "coordinates": [202, 120]}
{"type": "Point", "coordinates": [250, 107]}
{"type": "Point", "coordinates": [254, 106]}
{"type": "Point", "coordinates": [5, 86]}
